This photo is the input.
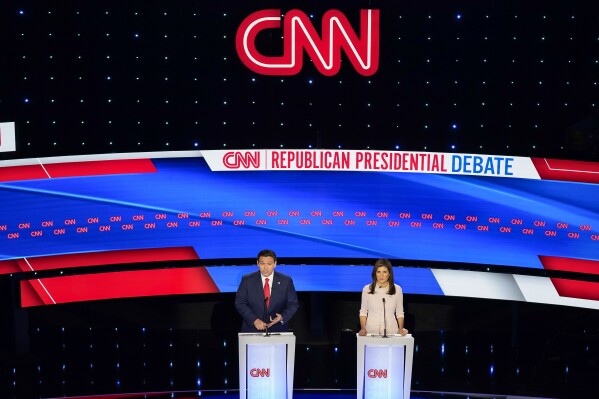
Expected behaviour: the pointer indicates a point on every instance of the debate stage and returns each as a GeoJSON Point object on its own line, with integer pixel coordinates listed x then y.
{"type": "Point", "coordinates": [298, 394]}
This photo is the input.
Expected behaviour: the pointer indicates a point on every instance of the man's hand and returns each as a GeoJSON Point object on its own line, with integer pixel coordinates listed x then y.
{"type": "Point", "coordinates": [260, 325]}
{"type": "Point", "coordinates": [276, 320]}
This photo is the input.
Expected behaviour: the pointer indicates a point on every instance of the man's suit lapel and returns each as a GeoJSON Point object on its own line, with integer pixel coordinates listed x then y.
{"type": "Point", "coordinates": [257, 283]}
{"type": "Point", "coordinates": [275, 292]}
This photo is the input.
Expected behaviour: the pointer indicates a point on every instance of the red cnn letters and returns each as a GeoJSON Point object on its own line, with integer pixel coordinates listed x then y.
{"type": "Point", "coordinates": [300, 34]}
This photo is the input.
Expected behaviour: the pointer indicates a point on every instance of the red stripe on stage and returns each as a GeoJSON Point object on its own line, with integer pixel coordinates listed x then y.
{"type": "Point", "coordinates": [30, 295]}
{"type": "Point", "coordinates": [570, 264]}
{"type": "Point", "coordinates": [576, 289]}
{"type": "Point", "coordinates": [9, 266]}
{"type": "Point", "coordinates": [97, 259]}
{"type": "Point", "coordinates": [575, 171]}
{"type": "Point", "coordinates": [573, 288]}
{"type": "Point", "coordinates": [28, 172]}
{"type": "Point", "coordinates": [93, 168]}
{"type": "Point", "coordinates": [128, 284]}
{"type": "Point", "coordinates": [73, 169]}
{"type": "Point", "coordinates": [110, 258]}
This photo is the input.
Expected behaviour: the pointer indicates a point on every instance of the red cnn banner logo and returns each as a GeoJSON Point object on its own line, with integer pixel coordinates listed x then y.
{"type": "Point", "coordinates": [299, 34]}
{"type": "Point", "coordinates": [260, 372]}
{"type": "Point", "coordinates": [241, 159]}
{"type": "Point", "coordinates": [372, 373]}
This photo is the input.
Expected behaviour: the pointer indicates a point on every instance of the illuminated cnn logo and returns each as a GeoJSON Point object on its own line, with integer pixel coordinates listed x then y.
{"type": "Point", "coordinates": [241, 159]}
{"type": "Point", "coordinates": [300, 34]}
{"type": "Point", "coordinates": [372, 373]}
{"type": "Point", "coordinates": [260, 372]}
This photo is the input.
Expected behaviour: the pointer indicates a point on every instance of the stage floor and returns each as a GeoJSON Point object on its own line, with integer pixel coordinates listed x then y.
{"type": "Point", "coordinates": [299, 394]}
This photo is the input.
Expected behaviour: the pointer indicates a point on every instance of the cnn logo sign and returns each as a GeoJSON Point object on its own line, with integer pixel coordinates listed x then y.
{"type": "Point", "coordinates": [241, 159]}
{"type": "Point", "coordinates": [374, 373]}
{"type": "Point", "coordinates": [299, 34]}
{"type": "Point", "coordinates": [260, 372]}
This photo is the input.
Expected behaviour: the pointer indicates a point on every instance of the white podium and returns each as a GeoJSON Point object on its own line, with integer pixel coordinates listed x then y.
{"type": "Point", "coordinates": [266, 365]}
{"type": "Point", "coordinates": [385, 366]}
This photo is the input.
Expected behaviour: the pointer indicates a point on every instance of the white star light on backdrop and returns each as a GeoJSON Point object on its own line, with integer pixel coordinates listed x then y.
{"type": "Point", "coordinates": [478, 91]}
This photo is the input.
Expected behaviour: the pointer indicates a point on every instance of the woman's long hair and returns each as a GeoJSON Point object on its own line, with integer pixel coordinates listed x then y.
{"type": "Point", "coordinates": [383, 263]}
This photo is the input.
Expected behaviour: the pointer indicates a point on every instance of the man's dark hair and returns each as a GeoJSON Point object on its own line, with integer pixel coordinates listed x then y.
{"type": "Point", "coordinates": [267, 252]}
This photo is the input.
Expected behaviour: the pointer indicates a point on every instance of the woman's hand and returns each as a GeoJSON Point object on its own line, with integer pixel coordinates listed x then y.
{"type": "Point", "coordinates": [403, 331]}
{"type": "Point", "coordinates": [362, 332]}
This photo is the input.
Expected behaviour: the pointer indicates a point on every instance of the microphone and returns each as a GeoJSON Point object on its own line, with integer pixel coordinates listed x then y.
{"type": "Point", "coordinates": [266, 314]}
{"type": "Point", "coordinates": [385, 319]}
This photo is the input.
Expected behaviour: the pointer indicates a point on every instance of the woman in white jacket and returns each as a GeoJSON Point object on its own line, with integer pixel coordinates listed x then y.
{"type": "Point", "coordinates": [382, 300]}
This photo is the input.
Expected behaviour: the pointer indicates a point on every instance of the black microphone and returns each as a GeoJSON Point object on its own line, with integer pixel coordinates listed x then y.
{"type": "Point", "coordinates": [266, 314]}
{"type": "Point", "coordinates": [385, 319]}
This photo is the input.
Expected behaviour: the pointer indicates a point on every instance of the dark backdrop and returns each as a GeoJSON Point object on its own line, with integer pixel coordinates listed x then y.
{"type": "Point", "coordinates": [497, 77]}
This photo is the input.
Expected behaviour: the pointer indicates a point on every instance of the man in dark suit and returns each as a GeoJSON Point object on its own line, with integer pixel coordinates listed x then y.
{"type": "Point", "coordinates": [266, 299]}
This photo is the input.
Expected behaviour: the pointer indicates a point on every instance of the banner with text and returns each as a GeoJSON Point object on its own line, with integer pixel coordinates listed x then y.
{"type": "Point", "coordinates": [371, 161]}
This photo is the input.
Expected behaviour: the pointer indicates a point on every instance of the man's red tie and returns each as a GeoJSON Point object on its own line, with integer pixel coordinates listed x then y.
{"type": "Point", "coordinates": [266, 292]}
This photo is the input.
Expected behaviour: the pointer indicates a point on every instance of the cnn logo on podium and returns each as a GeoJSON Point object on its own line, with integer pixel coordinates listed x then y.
{"type": "Point", "coordinates": [256, 372]}
{"type": "Point", "coordinates": [374, 373]}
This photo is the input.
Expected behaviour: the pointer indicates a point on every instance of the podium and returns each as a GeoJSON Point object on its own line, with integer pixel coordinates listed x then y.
{"type": "Point", "coordinates": [385, 366]}
{"type": "Point", "coordinates": [266, 365]}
